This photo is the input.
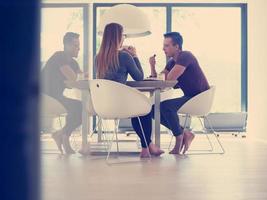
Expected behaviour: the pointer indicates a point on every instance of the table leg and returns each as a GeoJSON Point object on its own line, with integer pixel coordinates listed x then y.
{"type": "Point", "coordinates": [85, 116]}
{"type": "Point", "coordinates": [157, 117]}
{"type": "Point", "coordinates": [99, 129]}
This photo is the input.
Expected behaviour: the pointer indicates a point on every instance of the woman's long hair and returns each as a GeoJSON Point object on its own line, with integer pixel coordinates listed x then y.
{"type": "Point", "coordinates": [108, 55]}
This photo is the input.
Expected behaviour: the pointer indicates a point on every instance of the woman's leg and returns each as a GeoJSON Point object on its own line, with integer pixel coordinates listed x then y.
{"type": "Point", "coordinates": [146, 122]}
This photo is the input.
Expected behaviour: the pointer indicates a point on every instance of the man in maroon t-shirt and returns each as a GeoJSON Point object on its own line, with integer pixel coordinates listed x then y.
{"type": "Point", "coordinates": [182, 66]}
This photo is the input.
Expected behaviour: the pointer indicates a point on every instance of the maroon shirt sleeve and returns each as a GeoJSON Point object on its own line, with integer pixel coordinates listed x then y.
{"type": "Point", "coordinates": [184, 59]}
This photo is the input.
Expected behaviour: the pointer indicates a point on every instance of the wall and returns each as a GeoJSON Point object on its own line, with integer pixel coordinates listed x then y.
{"type": "Point", "coordinates": [257, 69]}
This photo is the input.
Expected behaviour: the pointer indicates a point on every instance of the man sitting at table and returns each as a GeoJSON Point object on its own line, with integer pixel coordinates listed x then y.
{"type": "Point", "coordinates": [60, 67]}
{"type": "Point", "coordinates": [183, 67]}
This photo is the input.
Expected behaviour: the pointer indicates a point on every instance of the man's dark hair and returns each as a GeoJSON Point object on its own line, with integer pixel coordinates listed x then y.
{"type": "Point", "coordinates": [69, 36]}
{"type": "Point", "coordinates": [176, 38]}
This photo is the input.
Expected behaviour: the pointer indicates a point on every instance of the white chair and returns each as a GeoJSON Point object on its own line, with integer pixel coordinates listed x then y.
{"type": "Point", "coordinates": [114, 101]}
{"type": "Point", "coordinates": [91, 112]}
{"type": "Point", "coordinates": [52, 109]}
{"type": "Point", "coordinates": [200, 106]}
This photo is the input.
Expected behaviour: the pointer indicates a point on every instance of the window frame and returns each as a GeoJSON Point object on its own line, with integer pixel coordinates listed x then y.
{"type": "Point", "coordinates": [85, 8]}
{"type": "Point", "coordinates": [169, 6]}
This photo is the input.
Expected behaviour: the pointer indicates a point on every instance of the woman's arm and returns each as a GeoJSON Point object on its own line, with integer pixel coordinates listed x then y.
{"type": "Point", "coordinates": [133, 66]}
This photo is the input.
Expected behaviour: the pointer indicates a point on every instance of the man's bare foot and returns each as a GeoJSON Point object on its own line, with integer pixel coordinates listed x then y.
{"type": "Point", "coordinates": [85, 150]}
{"type": "Point", "coordinates": [188, 138]}
{"type": "Point", "coordinates": [145, 153]}
{"type": "Point", "coordinates": [154, 150]}
{"type": "Point", "coordinates": [178, 145]}
{"type": "Point", "coordinates": [66, 145]}
{"type": "Point", "coordinates": [57, 136]}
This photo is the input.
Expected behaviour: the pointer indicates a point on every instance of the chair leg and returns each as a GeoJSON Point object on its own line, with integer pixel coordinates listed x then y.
{"type": "Point", "coordinates": [213, 131]}
{"type": "Point", "coordinates": [97, 125]}
{"type": "Point", "coordinates": [206, 134]}
{"type": "Point", "coordinates": [116, 132]}
{"type": "Point", "coordinates": [105, 138]}
{"type": "Point", "coordinates": [144, 135]}
{"type": "Point", "coordinates": [210, 143]}
{"type": "Point", "coordinates": [209, 152]}
{"type": "Point", "coordinates": [110, 146]}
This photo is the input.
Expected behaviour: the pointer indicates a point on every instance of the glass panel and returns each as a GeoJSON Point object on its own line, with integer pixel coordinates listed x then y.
{"type": "Point", "coordinates": [146, 46]}
{"type": "Point", "coordinates": [214, 37]}
{"type": "Point", "coordinates": [55, 22]}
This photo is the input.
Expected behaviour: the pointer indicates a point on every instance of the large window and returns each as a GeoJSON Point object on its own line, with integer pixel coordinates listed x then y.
{"type": "Point", "coordinates": [145, 46]}
{"type": "Point", "coordinates": [56, 21]}
{"type": "Point", "coordinates": [214, 33]}
{"type": "Point", "coordinates": [214, 37]}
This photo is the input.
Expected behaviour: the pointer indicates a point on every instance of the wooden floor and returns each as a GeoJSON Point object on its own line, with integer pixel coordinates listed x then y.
{"type": "Point", "coordinates": [241, 173]}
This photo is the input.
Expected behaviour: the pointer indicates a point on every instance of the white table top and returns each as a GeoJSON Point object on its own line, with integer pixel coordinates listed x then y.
{"type": "Point", "coordinates": [146, 85]}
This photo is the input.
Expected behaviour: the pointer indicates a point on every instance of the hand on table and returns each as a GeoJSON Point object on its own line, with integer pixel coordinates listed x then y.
{"type": "Point", "coordinates": [131, 50]}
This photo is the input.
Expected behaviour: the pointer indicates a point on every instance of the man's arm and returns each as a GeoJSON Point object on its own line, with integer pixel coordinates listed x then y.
{"type": "Point", "coordinates": [68, 72]}
{"type": "Point", "coordinates": [152, 62]}
{"type": "Point", "coordinates": [175, 72]}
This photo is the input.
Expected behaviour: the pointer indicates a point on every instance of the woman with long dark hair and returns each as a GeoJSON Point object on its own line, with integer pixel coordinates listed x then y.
{"type": "Point", "coordinates": [114, 62]}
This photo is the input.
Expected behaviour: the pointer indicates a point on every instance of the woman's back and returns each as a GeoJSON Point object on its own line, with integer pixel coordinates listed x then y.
{"type": "Point", "coordinates": [127, 65]}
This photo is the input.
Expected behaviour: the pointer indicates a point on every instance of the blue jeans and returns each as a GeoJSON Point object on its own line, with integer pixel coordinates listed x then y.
{"type": "Point", "coordinates": [168, 118]}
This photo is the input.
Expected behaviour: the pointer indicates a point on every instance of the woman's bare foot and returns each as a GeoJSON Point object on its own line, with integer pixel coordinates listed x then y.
{"type": "Point", "coordinates": [188, 138]}
{"type": "Point", "coordinates": [178, 145]}
{"type": "Point", "coordinates": [57, 136]}
{"type": "Point", "coordinates": [145, 153]}
{"type": "Point", "coordinates": [66, 145]}
{"type": "Point", "coordinates": [154, 150]}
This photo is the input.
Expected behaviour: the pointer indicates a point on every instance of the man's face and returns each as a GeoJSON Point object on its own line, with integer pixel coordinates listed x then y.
{"type": "Point", "coordinates": [169, 48]}
{"type": "Point", "coordinates": [74, 47]}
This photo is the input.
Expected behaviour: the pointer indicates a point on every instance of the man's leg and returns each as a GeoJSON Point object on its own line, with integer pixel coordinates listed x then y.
{"type": "Point", "coordinates": [73, 120]}
{"type": "Point", "coordinates": [170, 119]}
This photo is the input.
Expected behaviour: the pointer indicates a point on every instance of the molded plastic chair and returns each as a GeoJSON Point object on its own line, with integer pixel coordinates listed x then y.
{"type": "Point", "coordinates": [199, 106]}
{"type": "Point", "coordinates": [52, 108]}
{"type": "Point", "coordinates": [113, 101]}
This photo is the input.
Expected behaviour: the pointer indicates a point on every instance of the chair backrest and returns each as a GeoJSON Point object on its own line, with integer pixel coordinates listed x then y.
{"type": "Point", "coordinates": [50, 107]}
{"type": "Point", "coordinates": [199, 105]}
{"type": "Point", "coordinates": [113, 100]}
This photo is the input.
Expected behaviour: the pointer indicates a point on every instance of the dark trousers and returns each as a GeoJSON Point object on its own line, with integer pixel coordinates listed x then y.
{"type": "Point", "coordinates": [168, 118]}
{"type": "Point", "coordinates": [74, 113]}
